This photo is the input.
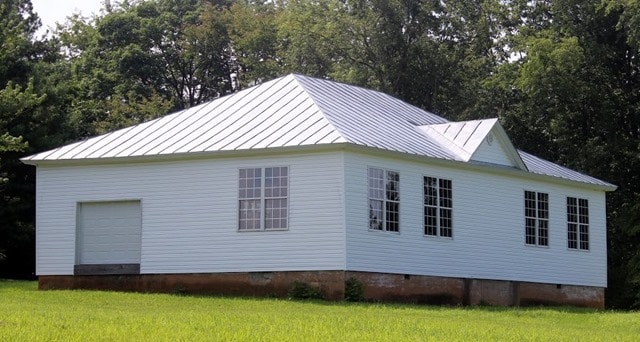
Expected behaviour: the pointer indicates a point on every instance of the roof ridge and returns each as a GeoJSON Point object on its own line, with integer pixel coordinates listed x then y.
{"type": "Point", "coordinates": [300, 83]}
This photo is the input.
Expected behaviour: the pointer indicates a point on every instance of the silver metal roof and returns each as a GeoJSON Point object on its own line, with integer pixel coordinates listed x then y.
{"type": "Point", "coordinates": [289, 111]}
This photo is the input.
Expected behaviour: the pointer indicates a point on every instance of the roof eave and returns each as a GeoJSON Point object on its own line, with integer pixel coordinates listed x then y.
{"type": "Point", "coordinates": [483, 167]}
{"type": "Point", "coordinates": [486, 167]}
{"type": "Point", "coordinates": [185, 156]}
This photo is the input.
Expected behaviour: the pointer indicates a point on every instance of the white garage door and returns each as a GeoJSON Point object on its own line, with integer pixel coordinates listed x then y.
{"type": "Point", "coordinates": [109, 232]}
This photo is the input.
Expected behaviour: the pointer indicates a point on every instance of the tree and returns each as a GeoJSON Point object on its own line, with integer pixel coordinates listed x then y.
{"type": "Point", "coordinates": [25, 126]}
{"type": "Point", "coordinates": [140, 60]}
{"type": "Point", "coordinates": [570, 93]}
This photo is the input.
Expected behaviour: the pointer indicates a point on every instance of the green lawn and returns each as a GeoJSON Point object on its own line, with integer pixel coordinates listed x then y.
{"type": "Point", "coordinates": [27, 314]}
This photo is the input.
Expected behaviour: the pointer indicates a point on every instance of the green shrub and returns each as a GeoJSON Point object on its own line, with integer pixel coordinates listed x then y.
{"type": "Point", "coordinates": [353, 290]}
{"type": "Point", "coordinates": [302, 290]}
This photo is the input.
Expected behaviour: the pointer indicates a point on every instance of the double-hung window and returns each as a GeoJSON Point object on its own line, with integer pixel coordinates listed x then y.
{"type": "Point", "coordinates": [577, 223]}
{"type": "Point", "coordinates": [438, 207]}
{"type": "Point", "coordinates": [384, 200]}
{"type": "Point", "coordinates": [263, 198]}
{"type": "Point", "coordinates": [536, 215]}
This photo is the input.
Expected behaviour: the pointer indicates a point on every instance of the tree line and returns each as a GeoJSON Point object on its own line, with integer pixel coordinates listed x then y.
{"type": "Point", "coordinates": [563, 77]}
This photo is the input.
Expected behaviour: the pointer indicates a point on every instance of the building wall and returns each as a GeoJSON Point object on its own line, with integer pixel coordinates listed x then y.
{"type": "Point", "coordinates": [332, 285]}
{"type": "Point", "coordinates": [488, 228]}
{"type": "Point", "coordinates": [492, 153]}
{"type": "Point", "coordinates": [189, 215]}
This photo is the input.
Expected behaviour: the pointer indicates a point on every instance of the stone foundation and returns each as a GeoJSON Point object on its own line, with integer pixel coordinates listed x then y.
{"type": "Point", "coordinates": [377, 287]}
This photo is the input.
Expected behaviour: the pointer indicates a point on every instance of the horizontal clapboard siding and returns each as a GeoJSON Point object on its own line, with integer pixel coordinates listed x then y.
{"type": "Point", "coordinates": [494, 153]}
{"type": "Point", "coordinates": [488, 229]}
{"type": "Point", "coordinates": [189, 214]}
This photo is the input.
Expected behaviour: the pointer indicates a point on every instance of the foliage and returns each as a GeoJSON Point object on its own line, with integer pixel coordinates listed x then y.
{"type": "Point", "coordinates": [141, 60]}
{"type": "Point", "coordinates": [353, 290]}
{"type": "Point", "coordinates": [571, 95]}
{"type": "Point", "coordinates": [26, 125]}
{"type": "Point", "coordinates": [302, 290]}
{"type": "Point", "coordinates": [27, 314]}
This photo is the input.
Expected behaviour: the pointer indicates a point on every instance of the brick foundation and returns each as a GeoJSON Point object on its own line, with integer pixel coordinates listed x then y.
{"type": "Point", "coordinates": [377, 287]}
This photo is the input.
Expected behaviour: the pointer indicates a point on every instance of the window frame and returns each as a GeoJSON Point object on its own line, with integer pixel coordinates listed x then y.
{"type": "Point", "coordinates": [264, 198]}
{"type": "Point", "coordinates": [386, 204]}
{"type": "Point", "coordinates": [580, 221]}
{"type": "Point", "coordinates": [442, 204]}
{"type": "Point", "coordinates": [540, 219]}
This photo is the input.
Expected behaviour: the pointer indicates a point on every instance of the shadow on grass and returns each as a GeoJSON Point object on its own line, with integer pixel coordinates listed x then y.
{"type": "Point", "coordinates": [26, 285]}
{"type": "Point", "coordinates": [395, 305]}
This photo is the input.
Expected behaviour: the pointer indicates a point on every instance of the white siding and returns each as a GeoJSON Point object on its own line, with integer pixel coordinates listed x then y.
{"type": "Point", "coordinates": [494, 153]}
{"type": "Point", "coordinates": [189, 215]}
{"type": "Point", "coordinates": [488, 229]}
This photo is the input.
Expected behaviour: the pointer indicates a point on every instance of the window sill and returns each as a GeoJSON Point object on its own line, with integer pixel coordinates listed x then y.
{"type": "Point", "coordinates": [437, 237]}
{"type": "Point", "coordinates": [537, 246]}
{"type": "Point", "coordinates": [263, 230]}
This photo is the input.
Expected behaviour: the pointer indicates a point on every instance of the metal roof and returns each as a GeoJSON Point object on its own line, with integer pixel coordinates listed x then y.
{"type": "Point", "coordinates": [464, 138]}
{"type": "Point", "coordinates": [291, 111]}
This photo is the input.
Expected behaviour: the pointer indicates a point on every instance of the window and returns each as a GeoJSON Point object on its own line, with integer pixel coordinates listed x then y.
{"type": "Point", "coordinates": [438, 203]}
{"type": "Point", "coordinates": [263, 198]}
{"type": "Point", "coordinates": [384, 200]}
{"type": "Point", "coordinates": [536, 213]}
{"type": "Point", "coordinates": [577, 223]}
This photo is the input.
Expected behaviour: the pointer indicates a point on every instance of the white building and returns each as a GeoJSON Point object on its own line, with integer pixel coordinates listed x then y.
{"type": "Point", "coordinates": [316, 181]}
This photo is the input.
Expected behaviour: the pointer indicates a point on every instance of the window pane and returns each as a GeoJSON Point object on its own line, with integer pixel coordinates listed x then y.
{"type": "Point", "coordinates": [392, 186]}
{"type": "Point", "coordinates": [584, 237]}
{"type": "Point", "coordinates": [430, 191]}
{"type": "Point", "coordinates": [543, 205]}
{"type": "Point", "coordinates": [275, 213]}
{"type": "Point", "coordinates": [249, 214]}
{"type": "Point", "coordinates": [583, 211]}
{"type": "Point", "coordinates": [446, 223]}
{"type": "Point", "coordinates": [445, 193]}
{"type": "Point", "coordinates": [543, 232]}
{"type": "Point", "coordinates": [431, 220]}
{"type": "Point", "coordinates": [249, 183]}
{"type": "Point", "coordinates": [530, 231]}
{"type": "Point", "coordinates": [393, 216]}
{"type": "Point", "coordinates": [572, 235]}
{"type": "Point", "coordinates": [375, 214]}
{"type": "Point", "coordinates": [572, 210]}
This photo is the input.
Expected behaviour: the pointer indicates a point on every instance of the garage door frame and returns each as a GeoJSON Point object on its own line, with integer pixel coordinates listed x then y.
{"type": "Point", "coordinates": [107, 214]}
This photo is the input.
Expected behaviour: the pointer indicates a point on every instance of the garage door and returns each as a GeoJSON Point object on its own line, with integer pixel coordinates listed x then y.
{"type": "Point", "coordinates": [109, 233]}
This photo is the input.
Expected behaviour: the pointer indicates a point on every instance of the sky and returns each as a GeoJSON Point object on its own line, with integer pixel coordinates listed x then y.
{"type": "Point", "coordinates": [52, 11]}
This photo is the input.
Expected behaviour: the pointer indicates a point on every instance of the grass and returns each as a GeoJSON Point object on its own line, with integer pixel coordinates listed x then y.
{"type": "Point", "coordinates": [27, 314]}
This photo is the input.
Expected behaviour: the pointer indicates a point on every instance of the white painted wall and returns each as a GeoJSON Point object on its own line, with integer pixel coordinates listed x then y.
{"type": "Point", "coordinates": [488, 232]}
{"type": "Point", "coordinates": [189, 215]}
{"type": "Point", "coordinates": [190, 211]}
{"type": "Point", "coordinates": [493, 153]}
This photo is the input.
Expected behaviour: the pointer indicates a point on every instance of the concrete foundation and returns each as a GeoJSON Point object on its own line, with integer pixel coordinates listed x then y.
{"type": "Point", "coordinates": [377, 287]}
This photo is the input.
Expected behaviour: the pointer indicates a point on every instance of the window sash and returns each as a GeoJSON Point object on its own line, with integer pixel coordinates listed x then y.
{"type": "Point", "coordinates": [577, 223]}
{"type": "Point", "coordinates": [383, 188]}
{"type": "Point", "coordinates": [536, 213]}
{"type": "Point", "coordinates": [263, 198]}
{"type": "Point", "coordinates": [438, 207]}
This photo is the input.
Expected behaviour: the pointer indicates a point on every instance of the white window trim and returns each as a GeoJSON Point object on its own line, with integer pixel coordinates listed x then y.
{"type": "Point", "coordinates": [384, 201]}
{"type": "Point", "coordinates": [537, 228]}
{"type": "Point", "coordinates": [262, 199]}
{"type": "Point", "coordinates": [578, 224]}
{"type": "Point", "coordinates": [438, 208]}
